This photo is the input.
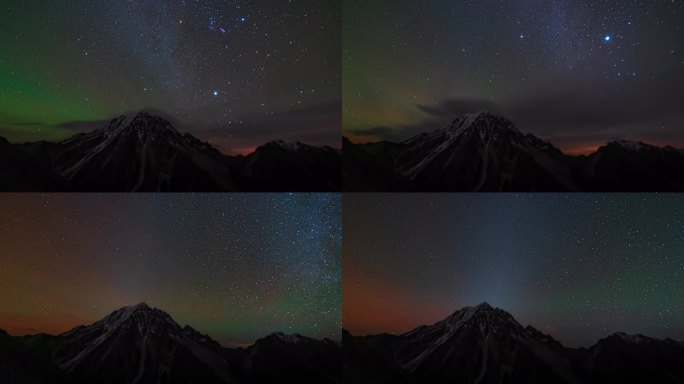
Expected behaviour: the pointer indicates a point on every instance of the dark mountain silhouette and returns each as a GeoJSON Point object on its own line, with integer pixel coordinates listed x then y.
{"type": "Point", "coordinates": [139, 344]}
{"type": "Point", "coordinates": [486, 345]}
{"type": "Point", "coordinates": [145, 153]}
{"type": "Point", "coordinates": [291, 166]}
{"type": "Point", "coordinates": [633, 166]}
{"type": "Point", "coordinates": [20, 172]}
{"type": "Point", "coordinates": [622, 358]}
{"type": "Point", "coordinates": [485, 152]}
{"type": "Point", "coordinates": [23, 363]}
{"type": "Point", "coordinates": [292, 357]}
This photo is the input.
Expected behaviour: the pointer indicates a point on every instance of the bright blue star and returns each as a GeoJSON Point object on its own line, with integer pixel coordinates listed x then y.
{"type": "Point", "coordinates": [607, 38]}
{"type": "Point", "coordinates": [216, 93]}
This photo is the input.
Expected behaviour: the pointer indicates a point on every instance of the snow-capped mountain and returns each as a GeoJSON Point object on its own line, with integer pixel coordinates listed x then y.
{"type": "Point", "coordinates": [486, 345]}
{"type": "Point", "coordinates": [482, 344]}
{"type": "Point", "coordinates": [478, 345]}
{"type": "Point", "coordinates": [485, 152]}
{"type": "Point", "coordinates": [139, 153]}
{"type": "Point", "coordinates": [480, 152]}
{"type": "Point", "coordinates": [140, 344]}
{"type": "Point", "coordinates": [146, 153]}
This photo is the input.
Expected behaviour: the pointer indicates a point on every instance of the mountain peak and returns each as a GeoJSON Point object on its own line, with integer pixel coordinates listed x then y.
{"type": "Point", "coordinates": [140, 306]}
{"type": "Point", "coordinates": [142, 124]}
{"type": "Point", "coordinates": [134, 308]}
{"type": "Point", "coordinates": [482, 316]}
{"type": "Point", "coordinates": [291, 338]}
{"type": "Point", "coordinates": [630, 145]}
{"type": "Point", "coordinates": [484, 114]}
{"type": "Point", "coordinates": [288, 145]}
{"type": "Point", "coordinates": [485, 124]}
{"type": "Point", "coordinates": [134, 344]}
{"type": "Point", "coordinates": [482, 307]}
{"type": "Point", "coordinates": [143, 114]}
{"type": "Point", "coordinates": [632, 339]}
{"type": "Point", "coordinates": [141, 314]}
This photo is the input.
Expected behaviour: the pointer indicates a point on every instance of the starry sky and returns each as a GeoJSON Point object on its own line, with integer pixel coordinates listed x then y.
{"type": "Point", "coordinates": [237, 73]}
{"type": "Point", "coordinates": [237, 267]}
{"type": "Point", "coordinates": [577, 73]}
{"type": "Point", "coordinates": [579, 267]}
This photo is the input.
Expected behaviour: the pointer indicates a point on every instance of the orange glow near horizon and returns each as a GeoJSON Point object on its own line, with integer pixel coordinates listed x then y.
{"type": "Point", "coordinates": [582, 150]}
{"type": "Point", "coordinates": [72, 259]}
{"type": "Point", "coordinates": [571, 149]}
{"type": "Point", "coordinates": [235, 147]}
{"type": "Point", "coordinates": [17, 325]}
{"type": "Point", "coordinates": [368, 314]}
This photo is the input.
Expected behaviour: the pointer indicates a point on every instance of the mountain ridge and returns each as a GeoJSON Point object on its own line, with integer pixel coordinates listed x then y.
{"type": "Point", "coordinates": [141, 344]}
{"type": "Point", "coordinates": [482, 344]}
{"type": "Point", "coordinates": [486, 153]}
{"type": "Point", "coordinates": [145, 153]}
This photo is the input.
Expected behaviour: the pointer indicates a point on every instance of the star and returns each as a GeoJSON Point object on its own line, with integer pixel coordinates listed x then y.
{"type": "Point", "coordinates": [607, 38]}
{"type": "Point", "coordinates": [265, 246]}
{"type": "Point", "coordinates": [182, 52]}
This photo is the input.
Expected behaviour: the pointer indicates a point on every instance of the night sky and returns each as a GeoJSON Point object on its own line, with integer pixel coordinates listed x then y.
{"type": "Point", "coordinates": [578, 73]}
{"type": "Point", "coordinates": [237, 267]}
{"type": "Point", "coordinates": [579, 267]}
{"type": "Point", "coordinates": [237, 73]}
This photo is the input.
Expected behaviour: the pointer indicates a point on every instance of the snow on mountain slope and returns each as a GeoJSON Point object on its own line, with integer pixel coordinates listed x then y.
{"type": "Point", "coordinates": [482, 152]}
{"type": "Point", "coordinates": [477, 344]}
{"type": "Point", "coordinates": [142, 152]}
{"type": "Point", "coordinates": [482, 344]}
{"type": "Point", "coordinates": [486, 153]}
{"type": "Point", "coordinates": [139, 344]}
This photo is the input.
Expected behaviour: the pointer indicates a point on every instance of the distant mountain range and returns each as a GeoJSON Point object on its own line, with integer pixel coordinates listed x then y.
{"type": "Point", "coordinates": [486, 345]}
{"type": "Point", "coordinates": [145, 153]}
{"type": "Point", "coordinates": [486, 153]}
{"type": "Point", "coordinates": [139, 344]}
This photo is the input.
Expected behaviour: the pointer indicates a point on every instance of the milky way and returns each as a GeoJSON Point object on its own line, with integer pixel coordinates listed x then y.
{"type": "Point", "coordinates": [579, 267]}
{"type": "Point", "coordinates": [236, 267]}
{"type": "Point", "coordinates": [577, 73]}
{"type": "Point", "coordinates": [236, 73]}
